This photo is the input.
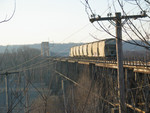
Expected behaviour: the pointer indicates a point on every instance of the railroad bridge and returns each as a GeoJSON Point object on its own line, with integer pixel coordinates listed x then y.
{"type": "Point", "coordinates": [98, 78]}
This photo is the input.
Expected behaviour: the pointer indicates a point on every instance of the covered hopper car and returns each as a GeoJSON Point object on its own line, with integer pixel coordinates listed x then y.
{"type": "Point", "coordinates": [103, 48]}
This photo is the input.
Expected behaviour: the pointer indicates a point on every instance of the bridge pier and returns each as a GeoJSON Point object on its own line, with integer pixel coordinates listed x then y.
{"type": "Point", "coordinates": [105, 84]}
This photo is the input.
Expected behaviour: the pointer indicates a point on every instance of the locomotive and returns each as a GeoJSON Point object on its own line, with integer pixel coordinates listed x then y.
{"type": "Point", "coordinates": [102, 48]}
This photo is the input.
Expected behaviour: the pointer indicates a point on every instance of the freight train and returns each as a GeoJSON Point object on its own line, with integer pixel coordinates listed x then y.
{"type": "Point", "coordinates": [103, 48]}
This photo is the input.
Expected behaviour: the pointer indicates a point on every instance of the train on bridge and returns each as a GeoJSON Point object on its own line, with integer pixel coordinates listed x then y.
{"type": "Point", "coordinates": [102, 48]}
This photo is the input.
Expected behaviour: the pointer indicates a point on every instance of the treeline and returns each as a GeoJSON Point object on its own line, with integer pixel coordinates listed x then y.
{"type": "Point", "coordinates": [63, 49]}
{"type": "Point", "coordinates": [90, 97]}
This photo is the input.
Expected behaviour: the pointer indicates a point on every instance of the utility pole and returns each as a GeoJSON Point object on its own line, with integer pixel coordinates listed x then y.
{"type": "Point", "coordinates": [7, 88]}
{"type": "Point", "coordinates": [26, 90]}
{"type": "Point", "coordinates": [64, 96]}
{"type": "Point", "coordinates": [120, 75]}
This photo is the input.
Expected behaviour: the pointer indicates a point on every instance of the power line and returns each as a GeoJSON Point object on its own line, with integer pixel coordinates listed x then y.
{"type": "Point", "coordinates": [30, 66]}
{"type": "Point", "coordinates": [77, 84]}
{"type": "Point", "coordinates": [87, 96]}
{"type": "Point", "coordinates": [10, 68]}
{"type": "Point", "coordinates": [120, 76]}
{"type": "Point", "coordinates": [140, 36]}
{"type": "Point", "coordinates": [25, 91]}
{"type": "Point", "coordinates": [80, 85]}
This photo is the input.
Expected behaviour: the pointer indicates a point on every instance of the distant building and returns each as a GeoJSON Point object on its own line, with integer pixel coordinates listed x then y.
{"type": "Point", "coordinates": [45, 49]}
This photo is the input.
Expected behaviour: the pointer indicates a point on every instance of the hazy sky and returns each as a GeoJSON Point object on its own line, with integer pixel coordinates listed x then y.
{"type": "Point", "coordinates": [58, 21]}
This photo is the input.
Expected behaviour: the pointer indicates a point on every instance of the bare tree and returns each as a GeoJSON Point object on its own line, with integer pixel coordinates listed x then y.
{"type": "Point", "coordinates": [9, 18]}
{"type": "Point", "coordinates": [132, 29]}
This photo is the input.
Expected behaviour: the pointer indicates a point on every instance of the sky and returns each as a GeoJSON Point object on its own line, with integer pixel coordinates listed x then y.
{"type": "Point", "coordinates": [56, 21]}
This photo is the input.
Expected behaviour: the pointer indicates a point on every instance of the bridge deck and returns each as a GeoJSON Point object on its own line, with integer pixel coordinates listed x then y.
{"type": "Point", "coordinates": [136, 66]}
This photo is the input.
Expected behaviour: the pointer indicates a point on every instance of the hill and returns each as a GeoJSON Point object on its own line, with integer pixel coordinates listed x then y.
{"type": "Point", "coordinates": [56, 49]}
{"type": "Point", "coordinates": [62, 49]}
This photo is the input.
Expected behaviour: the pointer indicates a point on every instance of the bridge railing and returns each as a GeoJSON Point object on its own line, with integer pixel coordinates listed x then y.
{"type": "Point", "coordinates": [131, 61]}
{"type": "Point", "coordinates": [137, 61]}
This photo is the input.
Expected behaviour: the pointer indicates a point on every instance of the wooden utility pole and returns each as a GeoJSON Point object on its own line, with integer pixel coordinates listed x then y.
{"type": "Point", "coordinates": [64, 96]}
{"type": "Point", "coordinates": [7, 88]}
{"type": "Point", "coordinates": [7, 92]}
{"type": "Point", "coordinates": [120, 75]}
{"type": "Point", "coordinates": [26, 90]}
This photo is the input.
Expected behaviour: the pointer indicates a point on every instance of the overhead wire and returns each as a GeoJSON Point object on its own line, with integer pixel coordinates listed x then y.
{"type": "Point", "coordinates": [76, 32]}
{"type": "Point", "coordinates": [103, 28]}
{"type": "Point", "coordinates": [97, 21]}
{"type": "Point", "coordinates": [130, 2]}
{"type": "Point", "coordinates": [114, 6]}
{"type": "Point", "coordinates": [14, 101]}
{"type": "Point", "coordinates": [140, 7]}
{"type": "Point", "coordinates": [88, 95]}
{"type": "Point", "coordinates": [10, 68]}
{"type": "Point", "coordinates": [12, 104]}
{"type": "Point", "coordinates": [129, 42]}
{"type": "Point", "coordinates": [146, 35]}
{"type": "Point", "coordinates": [25, 63]}
{"type": "Point", "coordinates": [113, 35]}
{"type": "Point", "coordinates": [125, 30]}
{"type": "Point", "coordinates": [77, 84]}
{"type": "Point", "coordinates": [36, 89]}
{"type": "Point", "coordinates": [20, 93]}
{"type": "Point", "coordinates": [17, 98]}
{"type": "Point", "coordinates": [34, 67]}
{"type": "Point", "coordinates": [38, 63]}
{"type": "Point", "coordinates": [131, 38]}
{"type": "Point", "coordinates": [142, 37]}
{"type": "Point", "coordinates": [114, 1]}
{"type": "Point", "coordinates": [133, 8]}
{"type": "Point", "coordinates": [41, 92]}
{"type": "Point", "coordinates": [73, 81]}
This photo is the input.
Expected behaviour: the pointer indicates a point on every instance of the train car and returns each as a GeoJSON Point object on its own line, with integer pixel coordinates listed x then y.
{"type": "Point", "coordinates": [77, 51]}
{"type": "Point", "coordinates": [95, 47]}
{"type": "Point", "coordinates": [110, 48]}
{"type": "Point", "coordinates": [89, 50]}
{"type": "Point", "coordinates": [84, 48]}
{"type": "Point", "coordinates": [72, 52]}
{"type": "Point", "coordinates": [81, 50]}
{"type": "Point", "coordinates": [103, 48]}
